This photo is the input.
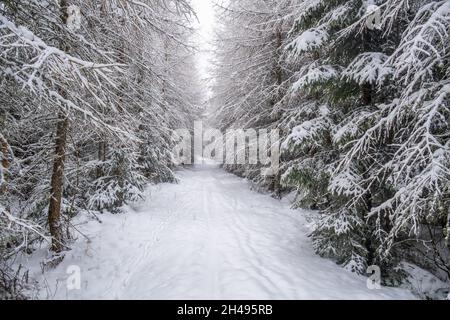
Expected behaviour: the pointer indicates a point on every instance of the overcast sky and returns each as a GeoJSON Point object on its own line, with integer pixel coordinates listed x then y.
{"type": "Point", "coordinates": [205, 13]}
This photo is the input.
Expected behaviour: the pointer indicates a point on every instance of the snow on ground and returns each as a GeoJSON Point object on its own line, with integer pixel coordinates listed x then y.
{"type": "Point", "coordinates": [208, 237]}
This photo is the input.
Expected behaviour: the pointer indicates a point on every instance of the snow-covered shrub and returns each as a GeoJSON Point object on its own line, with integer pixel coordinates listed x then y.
{"type": "Point", "coordinates": [120, 181]}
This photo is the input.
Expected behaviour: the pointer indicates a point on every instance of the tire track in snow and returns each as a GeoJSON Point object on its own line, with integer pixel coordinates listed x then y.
{"type": "Point", "coordinates": [212, 245]}
{"type": "Point", "coordinates": [209, 237]}
{"type": "Point", "coordinates": [240, 234]}
{"type": "Point", "coordinates": [143, 256]}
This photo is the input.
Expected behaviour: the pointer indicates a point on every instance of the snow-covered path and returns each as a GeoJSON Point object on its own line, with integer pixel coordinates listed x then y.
{"type": "Point", "coordinates": [208, 237]}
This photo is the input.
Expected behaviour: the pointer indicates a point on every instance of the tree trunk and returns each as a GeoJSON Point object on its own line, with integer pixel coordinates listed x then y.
{"type": "Point", "coordinates": [278, 75]}
{"type": "Point", "coordinates": [4, 153]}
{"type": "Point", "coordinates": [366, 93]}
{"type": "Point", "coordinates": [368, 243]}
{"type": "Point", "coordinates": [57, 180]}
{"type": "Point", "coordinates": [366, 88]}
{"type": "Point", "coordinates": [101, 157]}
{"type": "Point", "coordinates": [448, 229]}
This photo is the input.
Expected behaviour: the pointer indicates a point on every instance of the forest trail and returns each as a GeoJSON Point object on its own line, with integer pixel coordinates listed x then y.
{"type": "Point", "coordinates": [208, 237]}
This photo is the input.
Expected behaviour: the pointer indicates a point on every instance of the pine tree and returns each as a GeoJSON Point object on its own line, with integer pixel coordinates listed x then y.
{"type": "Point", "coordinates": [372, 147]}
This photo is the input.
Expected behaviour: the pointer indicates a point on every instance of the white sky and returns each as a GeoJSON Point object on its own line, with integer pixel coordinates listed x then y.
{"type": "Point", "coordinates": [205, 14]}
